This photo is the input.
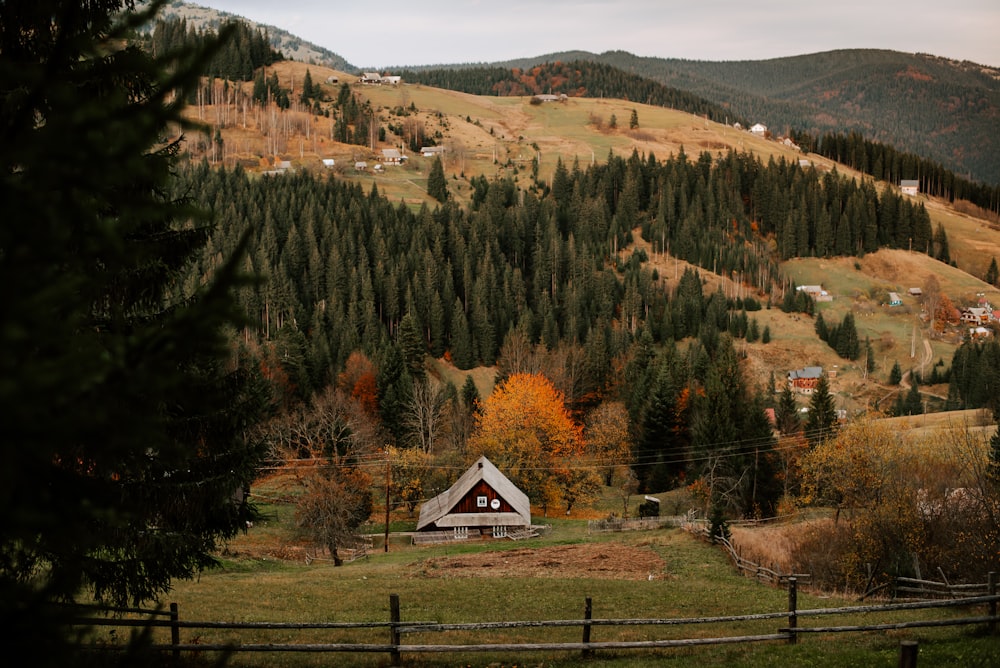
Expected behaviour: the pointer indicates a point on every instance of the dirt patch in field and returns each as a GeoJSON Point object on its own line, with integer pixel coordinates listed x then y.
{"type": "Point", "coordinates": [611, 561]}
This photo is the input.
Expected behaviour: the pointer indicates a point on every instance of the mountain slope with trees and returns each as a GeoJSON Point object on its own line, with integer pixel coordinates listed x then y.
{"type": "Point", "coordinates": [927, 105]}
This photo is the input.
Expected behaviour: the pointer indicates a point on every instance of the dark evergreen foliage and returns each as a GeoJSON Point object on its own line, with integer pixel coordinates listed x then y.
{"type": "Point", "coordinates": [896, 374]}
{"type": "Point", "coordinates": [238, 59]}
{"type": "Point", "coordinates": [886, 163]}
{"type": "Point", "coordinates": [437, 184]}
{"type": "Point", "coordinates": [125, 405]}
{"type": "Point", "coordinates": [575, 78]}
{"type": "Point", "coordinates": [821, 420]}
{"type": "Point", "coordinates": [975, 376]}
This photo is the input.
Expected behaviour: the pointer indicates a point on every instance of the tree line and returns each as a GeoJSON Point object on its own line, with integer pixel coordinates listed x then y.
{"type": "Point", "coordinates": [886, 163]}
{"type": "Point", "coordinates": [578, 78]}
{"type": "Point", "coordinates": [237, 59]}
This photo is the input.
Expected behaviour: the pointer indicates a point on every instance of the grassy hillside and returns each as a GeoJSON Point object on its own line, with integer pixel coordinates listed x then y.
{"type": "Point", "coordinates": [942, 109]}
{"type": "Point", "coordinates": [500, 136]}
{"type": "Point", "coordinates": [927, 105]}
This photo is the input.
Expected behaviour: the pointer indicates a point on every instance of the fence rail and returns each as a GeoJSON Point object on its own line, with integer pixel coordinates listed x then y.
{"type": "Point", "coordinates": [931, 589]}
{"type": "Point", "coordinates": [636, 524]}
{"type": "Point", "coordinates": [398, 629]}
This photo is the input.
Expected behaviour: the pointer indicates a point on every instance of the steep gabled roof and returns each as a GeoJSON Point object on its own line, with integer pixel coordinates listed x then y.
{"type": "Point", "coordinates": [436, 510]}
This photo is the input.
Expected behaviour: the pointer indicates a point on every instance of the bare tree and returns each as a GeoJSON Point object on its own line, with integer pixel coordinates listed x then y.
{"type": "Point", "coordinates": [425, 411]}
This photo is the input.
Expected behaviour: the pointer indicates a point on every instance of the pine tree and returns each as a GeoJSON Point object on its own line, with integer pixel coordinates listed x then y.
{"type": "Point", "coordinates": [913, 404]}
{"type": "Point", "coordinates": [307, 89]}
{"type": "Point", "coordinates": [993, 467]}
{"type": "Point", "coordinates": [821, 422]}
{"type": "Point", "coordinates": [470, 395]}
{"type": "Point", "coordinates": [992, 275]}
{"type": "Point", "coordinates": [437, 184]}
{"type": "Point", "coordinates": [896, 374]}
{"type": "Point", "coordinates": [412, 347]}
{"type": "Point", "coordinates": [125, 406]}
{"type": "Point", "coordinates": [787, 413]}
{"type": "Point", "coordinates": [633, 121]}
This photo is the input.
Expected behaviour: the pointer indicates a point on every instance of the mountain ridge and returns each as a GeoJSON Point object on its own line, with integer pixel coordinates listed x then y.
{"type": "Point", "coordinates": [935, 107]}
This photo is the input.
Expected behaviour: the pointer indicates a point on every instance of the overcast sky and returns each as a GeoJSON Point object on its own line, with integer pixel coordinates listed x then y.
{"type": "Point", "coordinates": [429, 32]}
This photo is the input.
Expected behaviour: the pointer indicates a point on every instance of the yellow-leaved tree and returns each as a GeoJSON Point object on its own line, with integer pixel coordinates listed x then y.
{"type": "Point", "coordinates": [526, 431]}
{"type": "Point", "coordinates": [907, 505]}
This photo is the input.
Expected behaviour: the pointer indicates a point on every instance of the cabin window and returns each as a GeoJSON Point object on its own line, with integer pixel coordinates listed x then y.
{"type": "Point", "coordinates": [481, 501]}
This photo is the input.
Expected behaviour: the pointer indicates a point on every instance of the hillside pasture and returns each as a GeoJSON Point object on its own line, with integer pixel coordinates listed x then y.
{"type": "Point", "coordinates": [658, 574]}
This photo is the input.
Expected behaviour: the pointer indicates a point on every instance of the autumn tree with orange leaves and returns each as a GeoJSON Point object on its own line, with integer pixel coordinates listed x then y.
{"type": "Point", "coordinates": [526, 431]}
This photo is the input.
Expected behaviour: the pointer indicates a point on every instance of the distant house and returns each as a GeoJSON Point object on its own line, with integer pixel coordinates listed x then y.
{"type": "Point", "coordinates": [280, 167]}
{"type": "Point", "coordinates": [804, 380]}
{"type": "Point", "coordinates": [361, 166]}
{"type": "Point", "coordinates": [894, 299]}
{"type": "Point", "coordinates": [816, 292]}
{"type": "Point", "coordinates": [329, 163]}
{"type": "Point", "coordinates": [332, 79]}
{"type": "Point", "coordinates": [976, 333]}
{"type": "Point", "coordinates": [549, 98]}
{"type": "Point", "coordinates": [431, 151]}
{"type": "Point", "coordinates": [482, 501]}
{"type": "Point", "coordinates": [976, 315]}
{"type": "Point", "coordinates": [909, 186]}
{"type": "Point", "coordinates": [376, 79]}
{"type": "Point", "coordinates": [915, 292]}
{"type": "Point", "coordinates": [392, 156]}
{"type": "Point", "coordinates": [758, 129]}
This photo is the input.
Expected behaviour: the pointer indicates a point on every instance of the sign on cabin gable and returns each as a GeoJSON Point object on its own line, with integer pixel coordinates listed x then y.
{"type": "Point", "coordinates": [483, 499]}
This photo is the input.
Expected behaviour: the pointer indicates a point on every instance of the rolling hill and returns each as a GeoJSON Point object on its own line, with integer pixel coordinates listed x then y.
{"type": "Point", "coordinates": [501, 137]}
{"type": "Point", "coordinates": [941, 109]}
{"type": "Point", "coordinates": [938, 108]}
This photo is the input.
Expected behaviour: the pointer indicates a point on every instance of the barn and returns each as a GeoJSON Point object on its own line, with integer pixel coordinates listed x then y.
{"type": "Point", "coordinates": [482, 501]}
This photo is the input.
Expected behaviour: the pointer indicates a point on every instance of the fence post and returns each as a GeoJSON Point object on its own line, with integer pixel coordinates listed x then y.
{"type": "Point", "coordinates": [588, 614]}
{"type": "Point", "coordinates": [992, 589]}
{"type": "Point", "coordinates": [793, 620]}
{"type": "Point", "coordinates": [908, 654]}
{"type": "Point", "coordinates": [394, 629]}
{"type": "Point", "coordinates": [175, 631]}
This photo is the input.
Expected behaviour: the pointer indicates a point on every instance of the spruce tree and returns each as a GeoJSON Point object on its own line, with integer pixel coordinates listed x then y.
{"type": "Point", "coordinates": [913, 405]}
{"type": "Point", "coordinates": [437, 184]}
{"type": "Point", "coordinates": [125, 406]}
{"type": "Point", "coordinates": [787, 413]}
{"type": "Point", "coordinates": [993, 467]}
{"type": "Point", "coordinates": [896, 374]}
{"type": "Point", "coordinates": [992, 274]}
{"type": "Point", "coordinates": [821, 422]}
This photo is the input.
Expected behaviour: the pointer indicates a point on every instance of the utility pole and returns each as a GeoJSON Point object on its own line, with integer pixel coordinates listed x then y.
{"type": "Point", "coordinates": [387, 473]}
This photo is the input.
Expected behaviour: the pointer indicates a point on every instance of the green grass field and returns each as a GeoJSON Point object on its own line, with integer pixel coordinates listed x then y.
{"type": "Point", "coordinates": [695, 580]}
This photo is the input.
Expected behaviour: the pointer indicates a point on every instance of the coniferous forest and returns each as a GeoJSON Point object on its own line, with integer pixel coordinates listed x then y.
{"type": "Point", "coordinates": [348, 271]}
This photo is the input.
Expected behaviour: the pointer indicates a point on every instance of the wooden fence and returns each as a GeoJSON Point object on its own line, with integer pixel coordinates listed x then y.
{"type": "Point", "coordinates": [395, 629]}
{"type": "Point", "coordinates": [636, 524]}
{"type": "Point", "coordinates": [751, 569]}
{"type": "Point", "coordinates": [925, 589]}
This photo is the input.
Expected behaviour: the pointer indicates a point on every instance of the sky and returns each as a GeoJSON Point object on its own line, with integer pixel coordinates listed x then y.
{"type": "Point", "coordinates": [430, 32]}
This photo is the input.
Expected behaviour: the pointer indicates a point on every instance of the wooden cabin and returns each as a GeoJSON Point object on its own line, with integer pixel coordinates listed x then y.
{"type": "Point", "coordinates": [482, 501]}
